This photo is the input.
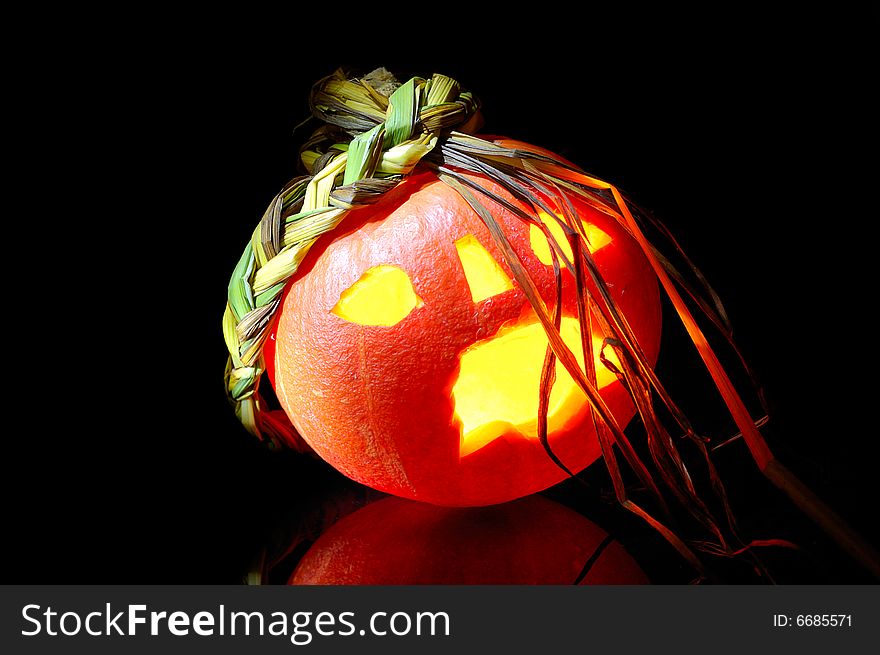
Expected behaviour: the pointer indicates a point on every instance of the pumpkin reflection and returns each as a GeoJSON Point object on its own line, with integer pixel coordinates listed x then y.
{"type": "Point", "coordinates": [531, 541]}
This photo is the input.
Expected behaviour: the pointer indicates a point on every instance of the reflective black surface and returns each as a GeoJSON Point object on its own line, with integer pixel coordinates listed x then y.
{"type": "Point", "coordinates": [123, 462]}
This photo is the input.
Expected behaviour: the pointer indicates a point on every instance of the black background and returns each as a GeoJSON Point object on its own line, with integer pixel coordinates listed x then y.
{"type": "Point", "coordinates": [152, 149]}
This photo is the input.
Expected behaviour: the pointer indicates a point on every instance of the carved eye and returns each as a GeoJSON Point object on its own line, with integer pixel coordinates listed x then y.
{"type": "Point", "coordinates": [384, 295]}
{"type": "Point", "coordinates": [596, 238]}
{"type": "Point", "coordinates": [485, 277]}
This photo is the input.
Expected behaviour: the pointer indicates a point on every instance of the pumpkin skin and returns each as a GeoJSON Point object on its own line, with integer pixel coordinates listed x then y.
{"type": "Point", "coordinates": [530, 541]}
{"type": "Point", "coordinates": [376, 402]}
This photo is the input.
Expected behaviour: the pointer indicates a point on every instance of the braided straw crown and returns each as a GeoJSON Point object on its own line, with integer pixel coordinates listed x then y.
{"type": "Point", "coordinates": [367, 144]}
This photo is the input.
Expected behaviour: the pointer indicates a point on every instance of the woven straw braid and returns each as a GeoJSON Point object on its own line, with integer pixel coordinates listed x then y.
{"type": "Point", "coordinates": [367, 144]}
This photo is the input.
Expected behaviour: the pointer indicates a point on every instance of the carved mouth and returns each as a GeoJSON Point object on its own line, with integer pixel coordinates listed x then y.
{"type": "Point", "coordinates": [496, 392]}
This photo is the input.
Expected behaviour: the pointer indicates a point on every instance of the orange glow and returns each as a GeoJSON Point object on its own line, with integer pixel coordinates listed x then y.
{"type": "Point", "coordinates": [496, 392]}
{"type": "Point", "coordinates": [596, 239]}
{"type": "Point", "coordinates": [485, 277]}
{"type": "Point", "coordinates": [383, 295]}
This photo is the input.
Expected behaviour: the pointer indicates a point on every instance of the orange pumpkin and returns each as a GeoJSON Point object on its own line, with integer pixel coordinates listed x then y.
{"type": "Point", "coordinates": [409, 359]}
{"type": "Point", "coordinates": [530, 541]}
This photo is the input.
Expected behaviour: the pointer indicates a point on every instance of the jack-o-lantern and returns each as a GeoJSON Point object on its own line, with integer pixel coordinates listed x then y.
{"type": "Point", "coordinates": [456, 319]}
{"type": "Point", "coordinates": [530, 541]}
{"type": "Point", "coordinates": [409, 359]}
{"type": "Point", "coordinates": [433, 345]}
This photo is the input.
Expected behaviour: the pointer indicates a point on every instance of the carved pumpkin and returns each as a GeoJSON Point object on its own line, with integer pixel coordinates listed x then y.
{"type": "Point", "coordinates": [406, 355]}
{"type": "Point", "coordinates": [408, 358]}
{"type": "Point", "coordinates": [530, 541]}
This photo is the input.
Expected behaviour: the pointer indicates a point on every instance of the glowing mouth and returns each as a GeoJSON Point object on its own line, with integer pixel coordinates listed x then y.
{"type": "Point", "coordinates": [496, 392]}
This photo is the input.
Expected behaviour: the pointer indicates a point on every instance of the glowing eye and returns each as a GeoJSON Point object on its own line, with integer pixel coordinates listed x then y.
{"type": "Point", "coordinates": [485, 277]}
{"type": "Point", "coordinates": [496, 391]}
{"type": "Point", "coordinates": [596, 238]}
{"type": "Point", "coordinates": [383, 295]}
